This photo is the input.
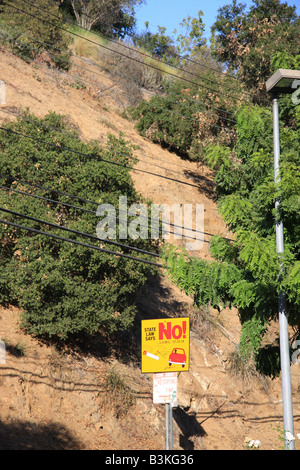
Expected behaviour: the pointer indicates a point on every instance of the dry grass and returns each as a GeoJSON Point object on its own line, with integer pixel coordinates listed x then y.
{"type": "Point", "coordinates": [130, 65]}
{"type": "Point", "coordinates": [119, 394]}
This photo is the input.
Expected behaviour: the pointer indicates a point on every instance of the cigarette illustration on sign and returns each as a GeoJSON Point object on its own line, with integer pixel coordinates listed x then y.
{"type": "Point", "coordinates": [165, 345]}
{"type": "Point", "coordinates": [151, 355]}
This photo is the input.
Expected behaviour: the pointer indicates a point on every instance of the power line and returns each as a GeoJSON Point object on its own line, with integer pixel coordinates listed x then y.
{"type": "Point", "coordinates": [72, 196]}
{"type": "Point", "coordinates": [170, 111]}
{"type": "Point", "coordinates": [145, 42]}
{"type": "Point", "coordinates": [101, 35]}
{"type": "Point", "coordinates": [90, 202]}
{"type": "Point", "coordinates": [75, 242]}
{"type": "Point", "coordinates": [76, 232]}
{"type": "Point", "coordinates": [79, 198]}
{"type": "Point", "coordinates": [95, 158]}
{"type": "Point", "coordinates": [70, 206]}
{"type": "Point", "coordinates": [118, 164]}
{"type": "Point", "coordinates": [188, 59]}
{"type": "Point", "coordinates": [22, 227]}
{"type": "Point", "coordinates": [125, 76]}
{"type": "Point", "coordinates": [47, 126]}
{"type": "Point", "coordinates": [30, 120]}
{"type": "Point", "coordinates": [107, 48]}
{"type": "Point", "coordinates": [81, 153]}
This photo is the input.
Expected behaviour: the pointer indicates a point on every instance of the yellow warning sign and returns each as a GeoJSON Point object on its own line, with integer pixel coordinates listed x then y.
{"type": "Point", "coordinates": [165, 345]}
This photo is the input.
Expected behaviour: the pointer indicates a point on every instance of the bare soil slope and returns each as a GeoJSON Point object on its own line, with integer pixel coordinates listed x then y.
{"type": "Point", "coordinates": [62, 400]}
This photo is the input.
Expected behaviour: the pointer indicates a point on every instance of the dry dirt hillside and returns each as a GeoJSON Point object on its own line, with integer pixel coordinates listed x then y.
{"type": "Point", "coordinates": [96, 399]}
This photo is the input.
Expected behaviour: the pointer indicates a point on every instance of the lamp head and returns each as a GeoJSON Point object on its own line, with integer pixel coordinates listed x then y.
{"type": "Point", "coordinates": [283, 81]}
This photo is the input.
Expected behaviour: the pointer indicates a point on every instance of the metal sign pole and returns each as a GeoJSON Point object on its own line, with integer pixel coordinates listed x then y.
{"type": "Point", "coordinates": [167, 426]}
{"type": "Point", "coordinates": [165, 352]}
{"type": "Point", "coordinates": [171, 425]}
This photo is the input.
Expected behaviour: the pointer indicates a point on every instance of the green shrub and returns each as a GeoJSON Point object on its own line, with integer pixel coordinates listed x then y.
{"type": "Point", "coordinates": [63, 288]}
{"type": "Point", "coordinates": [184, 119]}
{"type": "Point", "coordinates": [35, 27]}
{"type": "Point", "coordinates": [248, 273]}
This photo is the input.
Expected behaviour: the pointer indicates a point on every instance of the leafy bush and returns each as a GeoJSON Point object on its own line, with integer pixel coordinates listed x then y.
{"type": "Point", "coordinates": [65, 289]}
{"type": "Point", "coordinates": [246, 271]}
{"type": "Point", "coordinates": [250, 42]}
{"type": "Point", "coordinates": [33, 28]}
{"type": "Point", "coordinates": [183, 119]}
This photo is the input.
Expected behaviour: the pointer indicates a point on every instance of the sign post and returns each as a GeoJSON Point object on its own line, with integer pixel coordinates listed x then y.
{"type": "Point", "coordinates": [171, 425]}
{"type": "Point", "coordinates": [167, 427]}
{"type": "Point", "coordinates": [165, 392]}
{"type": "Point", "coordinates": [165, 352]}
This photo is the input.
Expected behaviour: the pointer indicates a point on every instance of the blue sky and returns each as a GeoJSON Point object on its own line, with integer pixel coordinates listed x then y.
{"type": "Point", "coordinates": [169, 13]}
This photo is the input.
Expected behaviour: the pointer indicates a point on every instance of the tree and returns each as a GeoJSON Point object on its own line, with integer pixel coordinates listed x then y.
{"type": "Point", "coordinates": [185, 43]}
{"type": "Point", "coordinates": [158, 44]}
{"type": "Point", "coordinates": [185, 117]}
{"type": "Point", "coordinates": [104, 13]}
{"type": "Point", "coordinates": [195, 106]}
{"type": "Point", "coordinates": [245, 272]}
{"type": "Point", "coordinates": [190, 39]}
{"type": "Point", "coordinates": [65, 289]}
{"type": "Point", "coordinates": [247, 41]}
{"type": "Point", "coordinates": [32, 28]}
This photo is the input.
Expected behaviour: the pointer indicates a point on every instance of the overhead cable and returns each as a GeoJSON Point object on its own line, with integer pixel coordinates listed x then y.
{"type": "Point", "coordinates": [75, 242]}
{"type": "Point", "coordinates": [100, 159]}
{"type": "Point", "coordinates": [145, 42]}
{"type": "Point", "coordinates": [56, 191]}
{"type": "Point", "coordinates": [61, 131]}
{"type": "Point", "coordinates": [170, 111]}
{"type": "Point", "coordinates": [145, 54]}
{"type": "Point", "coordinates": [76, 232]}
{"type": "Point", "coordinates": [128, 85]}
{"type": "Point", "coordinates": [117, 52]}
{"type": "Point", "coordinates": [71, 206]}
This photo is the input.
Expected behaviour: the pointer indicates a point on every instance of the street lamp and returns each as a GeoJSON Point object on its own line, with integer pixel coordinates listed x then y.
{"type": "Point", "coordinates": [283, 81]}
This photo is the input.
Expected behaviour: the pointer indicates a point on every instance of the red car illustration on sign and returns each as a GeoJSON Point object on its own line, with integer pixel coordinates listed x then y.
{"type": "Point", "coordinates": [177, 356]}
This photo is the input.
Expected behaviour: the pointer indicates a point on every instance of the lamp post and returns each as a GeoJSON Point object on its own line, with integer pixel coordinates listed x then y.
{"type": "Point", "coordinates": [283, 81]}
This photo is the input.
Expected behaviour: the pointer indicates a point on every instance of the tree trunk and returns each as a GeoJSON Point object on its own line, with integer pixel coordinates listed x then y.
{"type": "Point", "coordinates": [84, 19]}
